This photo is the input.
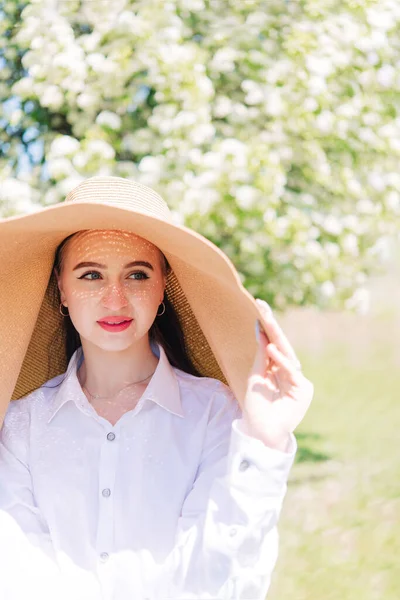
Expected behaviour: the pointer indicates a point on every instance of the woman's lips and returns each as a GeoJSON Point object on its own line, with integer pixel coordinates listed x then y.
{"type": "Point", "coordinates": [115, 327]}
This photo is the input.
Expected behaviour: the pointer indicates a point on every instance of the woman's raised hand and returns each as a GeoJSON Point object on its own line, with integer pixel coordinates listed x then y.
{"type": "Point", "coordinates": [278, 394]}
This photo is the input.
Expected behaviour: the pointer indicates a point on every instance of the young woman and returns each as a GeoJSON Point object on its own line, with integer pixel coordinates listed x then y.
{"type": "Point", "coordinates": [147, 449]}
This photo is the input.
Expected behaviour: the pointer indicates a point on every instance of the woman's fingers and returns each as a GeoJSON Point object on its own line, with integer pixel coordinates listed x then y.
{"type": "Point", "coordinates": [288, 369]}
{"type": "Point", "coordinates": [275, 334]}
{"type": "Point", "coordinates": [261, 360]}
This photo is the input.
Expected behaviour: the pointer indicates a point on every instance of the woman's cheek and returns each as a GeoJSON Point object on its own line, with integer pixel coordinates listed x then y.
{"type": "Point", "coordinates": [84, 317]}
{"type": "Point", "coordinates": [146, 298]}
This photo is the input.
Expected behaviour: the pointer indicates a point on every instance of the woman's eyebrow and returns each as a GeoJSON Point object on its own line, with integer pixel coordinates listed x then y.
{"type": "Point", "coordinates": [139, 263]}
{"type": "Point", "coordinates": [135, 263]}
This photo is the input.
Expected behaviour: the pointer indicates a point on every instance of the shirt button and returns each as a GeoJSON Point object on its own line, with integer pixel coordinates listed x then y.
{"type": "Point", "coordinates": [232, 531]}
{"type": "Point", "coordinates": [106, 492]}
{"type": "Point", "coordinates": [111, 436]}
{"type": "Point", "coordinates": [104, 556]}
{"type": "Point", "coordinates": [244, 465]}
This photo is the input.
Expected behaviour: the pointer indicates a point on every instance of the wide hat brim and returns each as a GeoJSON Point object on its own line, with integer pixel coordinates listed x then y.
{"type": "Point", "coordinates": [216, 312]}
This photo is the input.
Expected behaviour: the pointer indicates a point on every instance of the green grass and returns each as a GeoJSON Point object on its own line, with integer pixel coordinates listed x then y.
{"type": "Point", "coordinates": [340, 525]}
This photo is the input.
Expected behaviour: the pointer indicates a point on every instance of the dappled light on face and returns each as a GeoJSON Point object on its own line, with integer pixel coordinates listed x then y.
{"type": "Point", "coordinates": [111, 274]}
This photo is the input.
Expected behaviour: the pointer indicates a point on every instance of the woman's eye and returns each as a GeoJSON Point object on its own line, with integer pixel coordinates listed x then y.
{"type": "Point", "coordinates": [94, 275]}
{"type": "Point", "coordinates": [139, 275]}
{"type": "Point", "coordinates": [85, 276]}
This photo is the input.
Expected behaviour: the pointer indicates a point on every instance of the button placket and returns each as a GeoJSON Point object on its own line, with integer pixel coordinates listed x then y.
{"type": "Point", "coordinates": [108, 456]}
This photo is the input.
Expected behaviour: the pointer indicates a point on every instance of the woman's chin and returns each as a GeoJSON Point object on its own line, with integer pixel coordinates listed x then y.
{"type": "Point", "coordinates": [117, 343]}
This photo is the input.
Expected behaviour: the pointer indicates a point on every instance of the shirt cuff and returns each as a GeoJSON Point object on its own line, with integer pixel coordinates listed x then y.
{"type": "Point", "coordinates": [255, 467]}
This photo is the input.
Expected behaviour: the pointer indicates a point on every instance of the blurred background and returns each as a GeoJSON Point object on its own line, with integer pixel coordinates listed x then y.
{"type": "Point", "coordinates": [272, 127]}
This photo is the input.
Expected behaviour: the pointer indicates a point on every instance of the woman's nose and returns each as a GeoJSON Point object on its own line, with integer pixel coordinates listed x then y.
{"type": "Point", "coordinates": [114, 297]}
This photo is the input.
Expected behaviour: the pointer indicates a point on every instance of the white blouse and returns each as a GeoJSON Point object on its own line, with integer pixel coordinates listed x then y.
{"type": "Point", "coordinates": [174, 501]}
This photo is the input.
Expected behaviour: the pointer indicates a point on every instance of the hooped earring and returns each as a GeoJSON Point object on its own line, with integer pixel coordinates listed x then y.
{"type": "Point", "coordinates": [60, 309]}
{"type": "Point", "coordinates": [163, 310]}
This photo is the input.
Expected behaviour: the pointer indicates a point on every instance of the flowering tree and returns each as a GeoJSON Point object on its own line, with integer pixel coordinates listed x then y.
{"type": "Point", "coordinates": [270, 126]}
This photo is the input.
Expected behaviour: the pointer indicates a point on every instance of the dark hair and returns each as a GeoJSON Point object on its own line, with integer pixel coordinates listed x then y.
{"type": "Point", "coordinates": [166, 329]}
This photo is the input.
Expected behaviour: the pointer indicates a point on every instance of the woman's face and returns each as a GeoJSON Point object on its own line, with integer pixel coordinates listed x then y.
{"type": "Point", "coordinates": [108, 274]}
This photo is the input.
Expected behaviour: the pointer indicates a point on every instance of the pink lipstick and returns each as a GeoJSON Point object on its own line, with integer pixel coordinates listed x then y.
{"type": "Point", "coordinates": [115, 323]}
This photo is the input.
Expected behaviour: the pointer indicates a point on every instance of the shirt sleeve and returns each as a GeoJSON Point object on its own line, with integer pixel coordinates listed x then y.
{"type": "Point", "coordinates": [227, 542]}
{"type": "Point", "coordinates": [25, 542]}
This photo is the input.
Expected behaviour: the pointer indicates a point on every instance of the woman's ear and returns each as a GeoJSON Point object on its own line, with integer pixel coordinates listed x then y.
{"type": "Point", "coordinates": [59, 285]}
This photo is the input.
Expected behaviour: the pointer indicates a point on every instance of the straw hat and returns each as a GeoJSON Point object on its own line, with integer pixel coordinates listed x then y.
{"type": "Point", "coordinates": [217, 314]}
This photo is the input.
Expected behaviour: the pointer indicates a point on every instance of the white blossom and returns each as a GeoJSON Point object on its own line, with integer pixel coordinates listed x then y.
{"type": "Point", "coordinates": [64, 145]}
{"type": "Point", "coordinates": [109, 119]}
{"type": "Point", "coordinates": [327, 289]}
{"type": "Point", "coordinates": [101, 148]}
{"type": "Point", "coordinates": [332, 250]}
{"type": "Point", "coordinates": [392, 201]}
{"type": "Point", "coordinates": [235, 149]}
{"type": "Point", "coordinates": [15, 117]}
{"type": "Point", "coordinates": [247, 197]}
{"type": "Point", "coordinates": [223, 60]}
{"type": "Point", "coordinates": [376, 181]}
{"type": "Point", "coordinates": [319, 65]}
{"type": "Point", "coordinates": [52, 97]}
{"type": "Point", "coordinates": [87, 100]}
{"type": "Point", "coordinates": [274, 104]}
{"type": "Point", "coordinates": [150, 164]}
{"type": "Point", "coordinates": [193, 5]}
{"type": "Point", "coordinates": [60, 167]}
{"type": "Point", "coordinates": [360, 301]}
{"type": "Point", "coordinates": [350, 244]}
{"type": "Point", "coordinates": [80, 160]}
{"type": "Point", "coordinates": [385, 75]}
{"type": "Point", "coordinates": [310, 104]}
{"type": "Point", "coordinates": [313, 249]}
{"type": "Point", "coordinates": [222, 107]}
{"type": "Point", "coordinates": [333, 225]}
{"type": "Point", "coordinates": [365, 206]}
{"type": "Point", "coordinates": [16, 196]}
{"type": "Point", "coordinates": [254, 92]}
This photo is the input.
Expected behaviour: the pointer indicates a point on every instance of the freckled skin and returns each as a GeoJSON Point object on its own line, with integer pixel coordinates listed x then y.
{"type": "Point", "coordinates": [112, 360]}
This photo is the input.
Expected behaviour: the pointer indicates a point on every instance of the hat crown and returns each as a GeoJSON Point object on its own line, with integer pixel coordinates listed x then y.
{"type": "Point", "coordinates": [123, 193]}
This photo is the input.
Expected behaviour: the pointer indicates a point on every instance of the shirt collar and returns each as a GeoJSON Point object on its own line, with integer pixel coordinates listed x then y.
{"type": "Point", "coordinates": [163, 388]}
